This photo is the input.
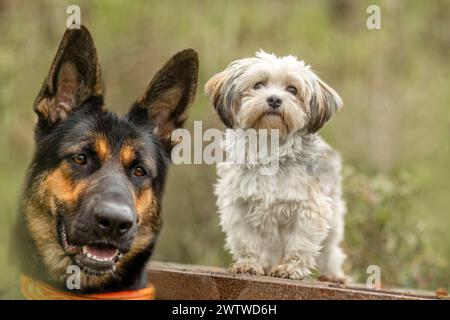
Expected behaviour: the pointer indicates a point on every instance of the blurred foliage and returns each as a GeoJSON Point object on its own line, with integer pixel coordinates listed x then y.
{"type": "Point", "coordinates": [380, 230]}
{"type": "Point", "coordinates": [393, 132]}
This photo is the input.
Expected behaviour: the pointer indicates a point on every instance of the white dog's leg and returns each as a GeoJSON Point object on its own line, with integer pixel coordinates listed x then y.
{"type": "Point", "coordinates": [303, 241]}
{"type": "Point", "coordinates": [332, 257]}
{"type": "Point", "coordinates": [242, 240]}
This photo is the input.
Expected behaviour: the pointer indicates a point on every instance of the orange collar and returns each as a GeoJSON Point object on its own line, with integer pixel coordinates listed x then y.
{"type": "Point", "coordinates": [36, 290]}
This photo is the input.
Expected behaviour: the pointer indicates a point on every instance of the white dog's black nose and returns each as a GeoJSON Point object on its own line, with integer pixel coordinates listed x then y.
{"type": "Point", "coordinates": [274, 101]}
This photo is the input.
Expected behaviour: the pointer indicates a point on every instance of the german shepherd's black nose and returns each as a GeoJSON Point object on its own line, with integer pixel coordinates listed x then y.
{"type": "Point", "coordinates": [113, 218]}
{"type": "Point", "coordinates": [112, 214]}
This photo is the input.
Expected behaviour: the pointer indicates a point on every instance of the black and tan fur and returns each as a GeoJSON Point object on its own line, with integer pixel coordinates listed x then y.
{"type": "Point", "coordinates": [61, 185]}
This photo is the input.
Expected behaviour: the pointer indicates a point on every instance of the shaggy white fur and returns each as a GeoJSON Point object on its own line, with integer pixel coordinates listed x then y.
{"type": "Point", "coordinates": [291, 222]}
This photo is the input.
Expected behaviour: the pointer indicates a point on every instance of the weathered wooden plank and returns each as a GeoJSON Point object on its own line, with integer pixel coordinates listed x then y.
{"type": "Point", "coordinates": [185, 282]}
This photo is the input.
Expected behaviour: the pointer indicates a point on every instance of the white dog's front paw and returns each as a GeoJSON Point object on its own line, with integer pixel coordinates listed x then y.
{"type": "Point", "coordinates": [289, 271]}
{"type": "Point", "coordinates": [246, 267]}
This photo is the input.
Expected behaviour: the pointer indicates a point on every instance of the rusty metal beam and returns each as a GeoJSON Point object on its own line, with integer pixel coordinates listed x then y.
{"type": "Point", "coordinates": [185, 282]}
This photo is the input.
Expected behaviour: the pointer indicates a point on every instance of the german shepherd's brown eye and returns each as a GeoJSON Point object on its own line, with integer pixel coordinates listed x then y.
{"type": "Point", "coordinates": [258, 85]}
{"type": "Point", "coordinates": [79, 159]}
{"type": "Point", "coordinates": [292, 89]}
{"type": "Point", "coordinates": [139, 172]}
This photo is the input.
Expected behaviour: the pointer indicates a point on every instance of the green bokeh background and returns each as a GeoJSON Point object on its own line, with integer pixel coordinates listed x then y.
{"type": "Point", "coordinates": [393, 132]}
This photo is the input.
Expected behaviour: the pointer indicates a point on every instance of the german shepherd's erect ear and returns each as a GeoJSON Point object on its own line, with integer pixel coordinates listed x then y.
{"type": "Point", "coordinates": [168, 95]}
{"type": "Point", "coordinates": [74, 76]}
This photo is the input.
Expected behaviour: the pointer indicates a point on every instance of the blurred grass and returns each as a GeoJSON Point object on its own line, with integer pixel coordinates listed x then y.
{"type": "Point", "coordinates": [393, 132]}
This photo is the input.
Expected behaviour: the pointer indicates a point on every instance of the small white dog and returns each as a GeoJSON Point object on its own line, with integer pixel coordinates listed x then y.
{"type": "Point", "coordinates": [293, 221]}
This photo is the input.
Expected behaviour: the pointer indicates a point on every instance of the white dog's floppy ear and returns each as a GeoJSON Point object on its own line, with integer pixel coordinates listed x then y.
{"type": "Point", "coordinates": [215, 90]}
{"type": "Point", "coordinates": [324, 102]}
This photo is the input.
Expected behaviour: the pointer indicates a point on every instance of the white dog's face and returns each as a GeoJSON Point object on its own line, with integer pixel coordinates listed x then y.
{"type": "Point", "coordinates": [267, 92]}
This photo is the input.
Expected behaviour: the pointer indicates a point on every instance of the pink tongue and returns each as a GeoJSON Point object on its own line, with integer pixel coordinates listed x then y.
{"type": "Point", "coordinates": [102, 252]}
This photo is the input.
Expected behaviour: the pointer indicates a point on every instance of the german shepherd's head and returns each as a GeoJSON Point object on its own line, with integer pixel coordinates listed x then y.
{"type": "Point", "coordinates": [93, 191]}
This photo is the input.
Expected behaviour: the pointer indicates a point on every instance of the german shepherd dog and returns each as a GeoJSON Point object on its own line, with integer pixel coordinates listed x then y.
{"type": "Point", "coordinates": [92, 194]}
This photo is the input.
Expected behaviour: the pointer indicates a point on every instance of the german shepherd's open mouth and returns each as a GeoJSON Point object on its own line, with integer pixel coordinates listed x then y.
{"type": "Point", "coordinates": [95, 257]}
{"type": "Point", "coordinates": [93, 191]}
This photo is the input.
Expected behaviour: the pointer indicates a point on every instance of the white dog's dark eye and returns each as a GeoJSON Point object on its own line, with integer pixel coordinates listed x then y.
{"type": "Point", "coordinates": [292, 90]}
{"type": "Point", "coordinates": [258, 85]}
